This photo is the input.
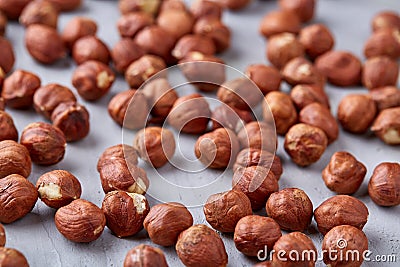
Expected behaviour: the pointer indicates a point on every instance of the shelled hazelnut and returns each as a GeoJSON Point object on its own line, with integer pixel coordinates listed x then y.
{"type": "Point", "coordinates": [344, 173]}
{"type": "Point", "coordinates": [8, 129]}
{"type": "Point", "coordinates": [58, 188]}
{"type": "Point", "coordinates": [118, 152]}
{"type": "Point", "coordinates": [12, 257]}
{"type": "Point", "coordinates": [303, 9]}
{"type": "Point", "coordinates": [76, 28]}
{"type": "Point", "coordinates": [130, 24]}
{"type": "Point", "coordinates": [166, 221]}
{"type": "Point", "coordinates": [231, 118]}
{"type": "Point", "coordinates": [386, 97]}
{"type": "Point", "coordinates": [205, 8]}
{"type": "Point", "coordinates": [193, 43]}
{"type": "Point", "coordinates": [387, 126]}
{"type": "Point", "coordinates": [124, 52]}
{"type": "Point", "coordinates": [142, 69]}
{"type": "Point", "coordinates": [168, 5]}
{"type": "Point", "coordinates": [305, 94]}
{"type": "Point", "coordinates": [316, 39]}
{"type": "Point", "coordinates": [176, 22]}
{"type": "Point", "coordinates": [279, 21]}
{"type": "Point", "coordinates": [17, 197]}
{"type": "Point", "coordinates": [90, 48]}
{"type": "Point", "coordinates": [233, 4]}
{"type": "Point", "coordinates": [240, 93]}
{"type": "Point", "coordinates": [301, 71]}
{"type": "Point", "coordinates": [14, 159]}
{"type": "Point", "coordinates": [69, 5]}
{"type": "Point", "coordinates": [340, 210]}
{"type": "Point", "coordinates": [267, 78]}
{"type": "Point", "coordinates": [145, 256]}
{"type": "Point", "coordinates": [216, 30]}
{"type": "Point", "coordinates": [7, 59]}
{"type": "Point", "coordinates": [282, 48]}
{"type": "Point", "coordinates": [13, 9]}
{"type": "Point", "coordinates": [385, 19]}
{"type": "Point", "coordinates": [39, 12]}
{"type": "Point", "coordinates": [384, 185]}
{"type": "Point", "coordinates": [150, 6]}
{"type": "Point", "coordinates": [3, 23]}
{"type": "Point", "coordinates": [2, 236]}
{"type": "Point", "coordinates": [379, 72]}
{"type": "Point", "coordinates": [384, 42]}
{"type": "Point", "coordinates": [260, 135]}
{"type": "Point", "coordinates": [2, 104]}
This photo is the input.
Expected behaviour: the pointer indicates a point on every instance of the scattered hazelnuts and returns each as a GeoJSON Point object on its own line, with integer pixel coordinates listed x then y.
{"type": "Point", "coordinates": [278, 22]}
{"type": "Point", "coordinates": [2, 236]}
{"type": "Point", "coordinates": [384, 42]}
{"type": "Point", "coordinates": [386, 97]}
{"type": "Point", "coordinates": [385, 20]}
{"type": "Point", "coordinates": [124, 52]}
{"type": "Point", "coordinates": [303, 9]}
{"type": "Point", "coordinates": [8, 59]}
{"type": "Point", "coordinates": [379, 72]}
{"type": "Point", "coordinates": [267, 78]}
{"type": "Point", "coordinates": [39, 12]}
{"type": "Point", "coordinates": [8, 129]}
{"type": "Point", "coordinates": [282, 48]}
{"type": "Point", "coordinates": [259, 135]}
{"type": "Point", "coordinates": [14, 159]}
{"type": "Point", "coordinates": [386, 126]}
{"type": "Point", "coordinates": [76, 28]}
{"type": "Point", "coordinates": [301, 71]}
{"type": "Point", "coordinates": [305, 94]}
{"type": "Point", "coordinates": [12, 257]}
{"type": "Point", "coordinates": [216, 30]}
{"type": "Point", "coordinates": [142, 69]}
{"type": "Point", "coordinates": [384, 185]}
{"type": "Point", "coordinates": [130, 24]}
{"type": "Point", "coordinates": [316, 39]}
{"type": "Point", "coordinates": [146, 256]}
{"type": "Point", "coordinates": [90, 48]}
{"type": "Point", "coordinates": [231, 118]}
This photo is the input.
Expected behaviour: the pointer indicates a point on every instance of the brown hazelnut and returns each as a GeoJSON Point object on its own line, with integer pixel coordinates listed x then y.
{"type": "Point", "coordinates": [301, 71]}
{"type": "Point", "coordinates": [379, 72]}
{"type": "Point", "coordinates": [14, 159]}
{"type": "Point", "coordinates": [80, 221]}
{"type": "Point", "coordinates": [230, 118]}
{"type": "Point", "coordinates": [166, 221]}
{"type": "Point", "coordinates": [8, 129]}
{"type": "Point", "coordinates": [155, 145]}
{"type": "Point", "coordinates": [199, 245]}
{"type": "Point", "coordinates": [385, 42]}
{"type": "Point", "coordinates": [233, 4]}
{"type": "Point", "coordinates": [125, 212]}
{"type": "Point", "coordinates": [46, 144]}
{"type": "Point", "coordinates": [305, 94]}
{"type": "Point", "coordinates": [385, 19]}
{"type": "Point", "coordinates": [145, 256]}
{"type": "Point", "coordinates": [193, 43]}
{"type": "Point", "coordinates": [224, 210]}
{"type": "Point", "coordinates": [64, 5]}
{"type": "Point", "coordinates": [217, 149]}
{"type": "Point", "coordinates": [90, 48]}
{"type": "Point", "coordinates": [39, 12]}
{"type": "Point", "coordinates": [340, 210]}
{"type": "Point", "coordinates": [48, 97]}
{"type": "Point", "coordinates": [386, 97]}
{"type": "Point", "coordinates": [72, 119]}
{"type": "Point", "coordinates": [150, 6]}
{"type": "Point", "coordinates": [344, 173]}
{"type": "Point", "coordinates": [278, 107]}
{"type": "Point", "coordinates": [58, 188]}
{"type": "Point", "coordinates": [13, 9]}
{"type": "Point", "coordinates": [257, 182]}
{"type": "Point", "coordinates": [17, 197]}
{"type": "Point", "coordinates": [190, 114]}
{"type": "Point", "coordinates": [168, 5]}
{"type": "Point", "coordinates": [3, 23]}
{"type": "Point", "coordinates": [7, 59]}
{"type": "Point", "coordinates": [130, 24]}
{"type": "Point", "coordinates": [282, 48]}
{"type": "Point", "coordinates": [305, 144]}
{"type": "Point", "coordinates": [124, 53]}
{"type": "Point", "coordinates": [2, 236]}
{"type": "Point", "coordinates": [344, 245]}
{"type": "Point", "coordinates": [44, 43]}
{"type": "Point", "coordinates": [216, 30]}
{"type": "Point", "coordinates": [267, 78]}
{"type": "Point", "coordinates": [291, 208]}
{"type": "Point", "coordinates": [117, 152]}
{"type": "Point", "coordinates": [2, 104]}
{"type": "Point", "coordinates": [76, 28]}
{"type": "Point", "coordinates": [387, 126]}
{"type": "Point", "coordinates": [356, 113]}
{"type": "Point", "coordinates": [205, 8]}
{"type": "Point", "coordinates": [12, 257]}
{"type": "Point", "coordinates": [258, 135]}
{"type": "Point", "coordinates": [304, 9]}
{"type": "Point", "coordinates": [316, 39]}
{"type": "Point", "coordinates": [176, 22]}
{"type": "Point", "coordinates": [384, 185]}
{"type": "Point", "coordinates": [93, 80]}
{"type": "Point", "coordinates": [263, 264]}
{"type": "Point", "coordinates": [255, 233]}
{"type": "Point", "coordinates": [279, 21]}
{"type": "Point", "coordinates": [240, 93]}
{"type": "Point", "coordinates": [142, 69]}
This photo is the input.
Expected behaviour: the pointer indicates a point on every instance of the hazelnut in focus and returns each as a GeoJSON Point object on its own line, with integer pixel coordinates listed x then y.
{"type": "Point", "coordinates": [299, 70]}
{"type": "Point", "coordinates": [8, 129]}
{"type": "Point", "coordinates": [303, 9]}
{"type": "Point", "coordinates": [14, 159]}
{"type": "Point", "coordinates": [379, 72]}
{"type": "Point", "coordinates": [117, 152]}
{"type": "Point", "coordinates": [145, 256]}
{"type": "Point", "coordinates": [90, 48]}
{"type": "Point", "coordinates": [231, 118]}
{"type": "Point", "coordinates": [130, 24]}
{"type": "Point", "coordinates": [386, 97]}
{"type": "Point", "coordinates": [316, 39]}
{"type": "Point", "coordinates": [267, 78]}
{"type": "Point", "coordinates": [305, 94]}
{"type": "Point", "coordinates": [387, 126]}
{"type": "Point", "coordinates": [39, 12]}
{"type": "Point", "coordinates": [258, 135]}
{"type": "Point", "coordinates": [76, 28]}
{"type": "Point", "coordinates": [142, 69]}
{"type": "Point", "coordinates": [12, 257]}
{"type": "Point", "coordinates": [124, 52]}
{"type": "Point", "coordinates": [278, 22]}
{"type": "Point", "coordinates": [384, 185]}
{"type": "Point", "coordinates": [282, 48]}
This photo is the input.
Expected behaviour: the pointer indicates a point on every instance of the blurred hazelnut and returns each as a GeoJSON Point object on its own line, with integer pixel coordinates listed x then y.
{"type": "Point", "coordinates": [386, 97]}
{"type": "Point", "coordinates": [233, 4]}
{"type": "Point", "coordinates": [14, 159]}
{"type": "Point", "coordinates": [305, 94]}
{"type": "Point", "coordinates": [66, 5]}
{"type": "Point", "coordinates": [216, 30]}
{"type": "Point", "coordinates": [230, 118]}
{"type": "Point", "coordinates": [387, 126]}
{"type": "Point", "coordinates": [282, 48]}
{"type": "Point", "coordinates": [280, 21]}
{"type": "Point", "coordinates": [193, 43]}
{"type": "Point", "coordinates": [316, 39]}
{"type": "Point", "coordinates": [124, 53]}
{"type": "Point", "coordinates": [148, 6]}
{"type": "Point", "coordinates": [90, 48]}
{"type": "Point", "coordinates": [176, 22]}
{"type": "Point", "coordinates": [267, 78]}
{"type": "Point", "coordinates": [2, 236]}
{"type": "Point", "coordinates": [117, 152]}
{"type": "Point", "coordinates": [384, 185]}
{"type": "Point", "coordinates": [76, 28]}
{"type": "Point", "coordinates": [301, 71]}
{"type": "Point", "coordinates": [172, 5]}
{"type": "Point", "coordinates": [8, 129]}
{"type": "Point", "coordinates": [14, 8]}
{"type": "Point", "coordinates": [240, 93]}
{"type": "Point", "coordinates": [379, 72]}
{"type": "Point", "coordinates": [7, 59]}
{"type": "Point", "coordinates": [145, 256]}
{"type": "Point", "coordinates": [304, 9]}
{"type": "Point", "coordinates": [39, 12]}
{"type": "Point", "coordinates": [385, 42]}
{"type": "Point", "coordinates": [260, 135]}
{"type": "Point", "coordinates": [2, 104]}
{"type": "Point", "coordinates": [385, 19]}
{"type": "Point", "coordinates": [12, 257]}
{"type": "Point", "coordinates": [130, 24]}
{"type": "Point", "coordinates": [206, 8]}
{"type": "Point", "coordinates": [3, 23]}
{"type": "Point", "coordinates": [142, 69]}
{"type": "Point", "coordinates": [264, 264]}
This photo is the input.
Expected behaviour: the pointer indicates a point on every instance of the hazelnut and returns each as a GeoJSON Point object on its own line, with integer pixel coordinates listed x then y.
{"type": "Point", "coordinates": [17, 198]}
{"type": "Point", "coordinates": [257, 183]}
{"type": "Point", "coordinates": [224, 210]}
{"type": "Point", "coordinates": [233, 4]}
{"type": "Point", "coordinates": [58, 188]}
{"type": "Point", "coordinates": [7, 59]}
{"type": "Point", "coordinates": [240, 93]}
{"type": "Point", "coordinates": [341, 242]}
{"type": "Point", "coordinates": [190, 114]}
{"type": "Point", "coordinates": [14, 159]}
{"type": "Point", "coordinates": [93, 80]}
{"type": "Point", "coordinates": [193, 43]}
{"type": "Point", "coordinates": [267, 78]}
{"type": "Point", "coordinates": [72, 119]}
{"type": "Point", "coordinates": [148, 6]}
{"type": "Point", "coordinates": [255, 233]}
{"type": "Point", "coordinates": [125, 212]}
{"type": "Point", "coordinates": [3, 23]}
{"type": "Point", "coordinates": [291, 208]}
{"type": "Point", "coordinates": [278, 107]}
{"type": "Point", "coordinates": [340, 210]}
{"type": "Point", "coordinates": [117, 152]}
{"type": "Point", "coordinates": [379, 72]}
{"type": "Point", "coordinates": [90, 48]}
{"type": "Point", "coordinates": [387, 126]}
{"type": "Point", "coordinates": [145, 256]}
{"type": "Point", "coordinates": [76, 28]}
{"type": "Point", "coordinates": [356, 113]}
{"type": "Point", "coordinates": [305, 144]}
{"type": "Point", "coordinates": [217, 149]}
{"type": "Point", "coordinates": [2, 104]}
{"type": "Point", "coordinates": [64, 5]}
{"type": "Point", "coordinates": [39, 12]}
{"type": "Point", "coordinates": [301, 71]}
{"type": "Point", "coordinates": [260, 135]}
{"type": "Point", "coordinates": [385, 42]}
{"type": "Point", "coordinates": [155, 145]}
{"type": "Point", "coordinates": [279, 21]}
{"type": "Point", "coordinates": [282, 48]}
{"type": "Point", "coordinates": [80, 221]}
{"type": "Point", "coordinates": [385, 19]}
{"type": "Point", "coordinates": [176, 22]}
{"type": "Point", "coordinates": [44, 43]}
{"type": "Point", "coordinates": [2, 236]}
{"type": "Point", "coordinates": [303, 9]}
{"type": "Point", "coordinates": [316, 39]}
{"type": "Point", "coordinates": [230, 118]}
{"type": "Point", "coordinates": [384, 185]}
{"type": "Point", "coordinates": [305, 94]}
{"type": "Point", "coordinates": [264, 264]}
{"type": "Point", "coordinates": [206, 8]}
{"type": "Point", "coordinates": [168, 5]}
{"type": "Point", "coordinates": [124, 53]}
{"type": "Point", "coordinates": [386, 97]}
{"type": "Point", "coordinates": [166, 221]}
{"type": "Point", "coordinates": [201, 246]}
{"type": "Point", "coordinates": [46, 144]}
{"type": "Point", "coordinates": [12, 257]}
{"type": "Point", "coordinates": [344, 173]}
{"type": "Point", "coordinates": [216, 30]}
{"type": "Point", "coordinates": [8, 129]}
{"type": "Point", "coordinates": [130, 24]}
{"type": "Point", "coordinates": [48, 97]}
{"type": "Point", "coordinates": [142, 69]}
{"type": "Point", "coordinates": [13, 9]}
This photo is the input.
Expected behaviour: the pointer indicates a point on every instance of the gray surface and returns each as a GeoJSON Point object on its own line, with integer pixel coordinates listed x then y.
{"type": "Point", "coordinates": [36, 236]}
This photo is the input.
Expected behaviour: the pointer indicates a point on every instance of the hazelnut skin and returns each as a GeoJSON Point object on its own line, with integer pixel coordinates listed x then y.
{"type": "Point", "coordinates": [69, 5]}
{"type": "Point", "coordinates": [2, 236]}
{"type": "Point", "coordinates": [8, 129]}
{"type": "Point", "coordinates": [233, 4]}
{"type": "Point", "coordinates": [172, 5]}
{"type": "Point", "coordinates": [384, 20]}
{"type": "Point", "coordinates": [316, 39]}
{"type": "Point", "coordinates": [304, 9]}
{"type": "Point", "coordinates": [8, 58]}
{"type": "Point", "coordinates": [267, 78]}
{"type": "Point", "coordinates": [278, 22]}
{"type": "Point", "coordinates": [258, 135]}
{"type": "Point", "coordinates": [193, 43]}
{"type": "Point", "coordinates": [130, 24]}
{"type": "Point", "coordinates": [12, 257]}
{"type": "Point", "coordinates": [14, 159]}
{"type": "Point", "coordinates": [124, 52]}
{"type": "Point", "coordinates": [39, 12]}
{"type": "Point", "coordinates": [386, 97]}
{"type": "Point", "coordinates": [216, 30]}
{"type": "Point", "coordinates": [208, 9]}
{"type": "Point", "coordinates": [166, 221]}
{"type": "Point", "coordinates": [13, 9]}
{"type": "Point", "coordinates": [90, 48]}
{"type": "Point", "coordinates": [176, 22]}
{"type": "Point", "coordinates": [340, 210]}
{"type": "Point", "coordinates": [151, 6]}
{"type": "Point", "coordinates": [117, 152]}
{"type": "Point", "coordinates": [379, 72]}
{"type": "Point", "coordinates": [145, 256]}
{"type": "Point", "coordinates": [3, 23]}
{"type": "Point", "coordinates": [305, 94]}
{"type": "Point", "coordinates": [142, 69]}
{"type": "Point", "coordinates": [282, 48]}
{"type": "Point", "coordinates": [301, 71]}
{"type": "Point", "coordinates": [76, 28]}
{"type": "Point", "coordinates": [231, 118]}
{"type": "Point", "coordinates": [387, 126]}
{"type": "Point", "coordinates": [384, 42]}
{"type": "Point", "coordinates": [2, 105]}
{"type": "Point", "coordinates": [384, 185]}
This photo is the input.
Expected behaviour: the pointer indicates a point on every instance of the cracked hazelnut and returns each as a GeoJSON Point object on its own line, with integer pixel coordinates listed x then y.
{"type": "Point", "coordinates": [76, 28]}
{"type": "Point", "coordinates": [145, 256]}
{"type": "Point", "coordinates": [205, 8]}
{"type": "Point", "coordinates": [255, 233]}
{"type": "Point", "coordinates": [216, 30]}
{"type": "Point", "coordinates": [130, 24]}
{"type": "Point", "coordinates": [8, 129]}
{"type": "Point", "coordinates": [280, 21]}
{"type": "Point", "coordinates": [14, 159]}
{"type": "Point", "coordinates": [230, 118]}
{"type": "Point", "coordinates": [166, 221]}
{"type": "Point", "coordinates": [142, 69]}
{"type": "Point", "coordinates": [340, 210]}
{"type": "Point", "coordinates": [344, 173]}
{"type": "Point", "coordinates": [124, 53]}
{"type": "Point", "coordinates": [258, 135]}
{"type": "Point", "coordinates": [199, 245]}
{"type": "Point", "coordinates": [384, 20]}
{"type": "Point", "coordinates": [379, 72]}
{"type": "Point", "coordinates": [356, 113]}
{"type": "Point", "coordinates": [301, 71]}
{"type": "Point", "coordinates": [193, 43]}
{"type": "Point", "coordinates": [386, 97]}
{"type": "Point", "coordinates": [385, 42]}
{"type": "Point", "coordinates": [257, 183]}
{"type": "Point", "coordinates": [176, 22]}
{"type": "Point", "coordinates": [303, 9]}
{"type": "Point", "coordinates": [240, 93]}
{"type": "Point", "coordinates": [282, 48]}
{"type": "Point", "coordinates": [233, 4]}
{"type": "Point", "coordinates": [46, 144]}
{"type": "Point", "coordinates": [58, 188]}
{"type": "Point", "coordinates": [90, 48]}
{"type": "Point", "coordinates": [148, 6]}
{"type": "Point", "coordinates": [305, 94]}
{"type": "Point", "coordinates": [2, 236]}
{"type": "Point", "coordinates": [12, 257]}
{"type": "Point", "coordinates": [267, 78]}
{"type": "Point", "coordinates": [305, 144]}
{"type": "Point", "coordinates": [224, 210]}
{"type": "Point", "coordinates": [316, 39]}
{"type": "Point", "coordinates": [387, 126]}
{"type": "Point", "coordinates": [14, 8]}
{"type": "Point", "coordinates": [39, 12]}
{"type": "Point", "coordinates": [384, 185]}
{"type": "Point", "coordinates": [80, 221]}
{"type": "Point", "coordinates": [17, 198]}
{"type": "Point", "coordinates": [64, 5]}
{"type": "Point", "coordinates": [3, 23]}
{"type": "Point", "coordinates": [117, 152]}
{"type": "Point", "coordinates": [8, 58]}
